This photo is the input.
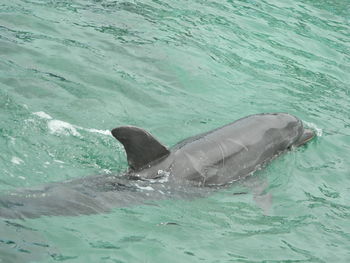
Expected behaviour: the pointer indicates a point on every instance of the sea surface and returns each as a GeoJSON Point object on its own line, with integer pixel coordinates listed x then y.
{"type": "Point", "coordinates": [72, 70]}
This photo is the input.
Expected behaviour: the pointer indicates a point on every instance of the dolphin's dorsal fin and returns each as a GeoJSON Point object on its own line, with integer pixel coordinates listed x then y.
{"type": "Point", "coordinates": [140, 146]}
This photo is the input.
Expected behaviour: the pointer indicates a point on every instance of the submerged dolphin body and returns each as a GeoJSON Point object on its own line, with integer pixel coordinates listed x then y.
{"type": "Point", "coordinates": [193, 167]}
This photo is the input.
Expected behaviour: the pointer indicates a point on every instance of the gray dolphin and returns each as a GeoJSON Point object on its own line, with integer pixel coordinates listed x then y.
{"type": "Point", "coordinates": [192, 168]}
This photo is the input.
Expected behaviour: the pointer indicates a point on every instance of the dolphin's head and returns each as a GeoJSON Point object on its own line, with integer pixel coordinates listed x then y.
{"type": "Point", "coordinates": [307, 135]}
{"type": "Point", "coordinates": [303, 135]}
{"type": "Point", "coordinates": [294, 129]}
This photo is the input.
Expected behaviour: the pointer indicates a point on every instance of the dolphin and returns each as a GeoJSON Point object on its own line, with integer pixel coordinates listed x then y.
{"type": "Point", "coordinates": [192, 168]}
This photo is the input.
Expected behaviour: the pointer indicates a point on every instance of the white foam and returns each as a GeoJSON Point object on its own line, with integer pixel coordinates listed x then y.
{"type": "Point", "coordinates": [107, 171]}
{"type": "Point", "coordinates": [165, 176]}
{"type": "Point", "coordinates": [43, 115]}
{"type": "Point", "coordinates": [65, 128]}
{"type": "Point", "coordinates": [148, 188]}
{"type": "Point", "coordinates": [16, 160]}
{"type": "Point", "coordinates": [62, 127]}
{"type": "Point", "coordinates": [313, 126]}
{"type": "Point", "coordinates": [105, 132]}
{"type": "Point", "coordinates": [12, 140]}
{"type": "Point", "coordinates": [29, 121]}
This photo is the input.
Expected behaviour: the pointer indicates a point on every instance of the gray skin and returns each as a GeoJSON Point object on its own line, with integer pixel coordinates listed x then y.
{"type": "Point", "coordinates": [192, 168]}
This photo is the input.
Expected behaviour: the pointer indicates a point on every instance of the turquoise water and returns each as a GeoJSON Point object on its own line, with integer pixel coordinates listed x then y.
{"type": "Point", "coordinates": [72, 70]}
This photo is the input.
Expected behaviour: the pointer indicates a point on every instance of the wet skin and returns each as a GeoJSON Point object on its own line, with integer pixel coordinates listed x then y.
{"type": "Point", "coordinates": [192, 168]}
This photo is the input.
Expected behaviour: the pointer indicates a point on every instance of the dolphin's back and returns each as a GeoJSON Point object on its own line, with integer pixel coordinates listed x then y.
{"type": "Point", "coordinates": [233, 151]}
{"type": "Point", "coordinates": [217, 157]}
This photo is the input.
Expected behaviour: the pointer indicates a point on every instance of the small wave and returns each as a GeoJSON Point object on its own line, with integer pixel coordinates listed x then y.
{"type": "Point", "coordinates": [65, 128]}
{"type": "Point", "coordinates": [58, 161]}
{"type": "Point", "coordinates": [147, 188]}
{"type": "Point", "coordinates": [105, 132]}
{"type": "Point", "coordinates": [42, 115]}
{"type": "Point", "coordinates": [16, 160]}
{"type": "Point", "coordinates": [61, 127]}
{"type": "Point", "coordinates": [313, 126]}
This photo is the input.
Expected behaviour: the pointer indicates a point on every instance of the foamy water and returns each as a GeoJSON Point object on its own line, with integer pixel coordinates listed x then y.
{"type": "Point", "coordinates": [64, 128]}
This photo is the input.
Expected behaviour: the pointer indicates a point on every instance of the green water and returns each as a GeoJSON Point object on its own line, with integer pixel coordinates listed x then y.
{"type": "Point", "coordinates": [71, 70]}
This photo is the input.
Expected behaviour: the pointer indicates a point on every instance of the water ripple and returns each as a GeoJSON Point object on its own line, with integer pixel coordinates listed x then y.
{"type": "Point", "coordinates": [176, 68]}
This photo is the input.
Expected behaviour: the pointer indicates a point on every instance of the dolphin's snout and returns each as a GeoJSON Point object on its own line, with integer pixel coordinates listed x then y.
{"type": "Point", "coordinates": [307, 135]}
